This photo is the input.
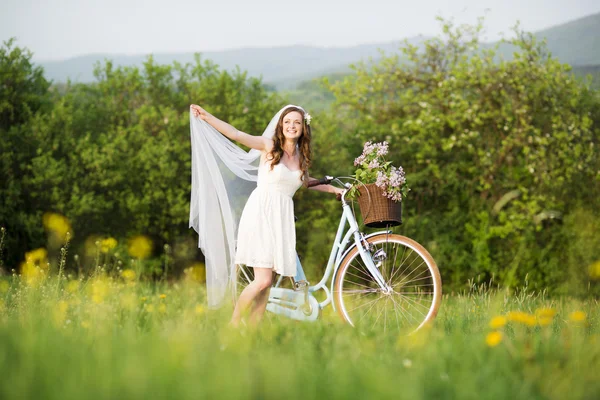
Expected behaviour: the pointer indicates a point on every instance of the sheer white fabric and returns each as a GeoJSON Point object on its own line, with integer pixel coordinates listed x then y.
{"type": "Point", "coordinates": [223, 176]}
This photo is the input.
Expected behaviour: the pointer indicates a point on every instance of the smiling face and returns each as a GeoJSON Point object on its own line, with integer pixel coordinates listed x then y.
{"type": "Point", "coordinates": [292, 124]}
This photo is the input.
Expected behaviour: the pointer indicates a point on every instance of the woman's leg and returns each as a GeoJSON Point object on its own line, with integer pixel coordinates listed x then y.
{"type": "Point", "coordinates": [263, 278]}
{"type": "Point", "coordinates": [260, 305]}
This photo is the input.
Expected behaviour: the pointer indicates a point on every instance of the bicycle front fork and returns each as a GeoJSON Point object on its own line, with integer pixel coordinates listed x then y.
{"type": "Point", "coordinates": [364, 249]}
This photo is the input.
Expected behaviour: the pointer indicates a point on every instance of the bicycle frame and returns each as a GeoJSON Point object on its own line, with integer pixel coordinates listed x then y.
{"type": "Point", "coordinates": [339, 249]}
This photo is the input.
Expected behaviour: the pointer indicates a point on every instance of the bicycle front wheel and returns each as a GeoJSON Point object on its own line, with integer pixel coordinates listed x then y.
{"type": "Point", "coordinates": [411, 274]}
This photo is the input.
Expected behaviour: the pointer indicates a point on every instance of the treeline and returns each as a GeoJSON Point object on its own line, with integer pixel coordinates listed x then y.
{"type": "Point", "coordinates": [500, 155]}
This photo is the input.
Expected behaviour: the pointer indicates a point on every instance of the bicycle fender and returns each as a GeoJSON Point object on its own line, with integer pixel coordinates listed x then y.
{"type": "Point", "coordinates": [337, 266]}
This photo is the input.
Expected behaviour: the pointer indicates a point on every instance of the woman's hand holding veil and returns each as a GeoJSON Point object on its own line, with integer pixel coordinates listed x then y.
{"type": "Point", "coordinates": [198, 111]}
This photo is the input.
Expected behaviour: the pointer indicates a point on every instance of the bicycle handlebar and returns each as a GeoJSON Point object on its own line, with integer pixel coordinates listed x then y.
{"type": "Point", "coordinates": [323, 181]}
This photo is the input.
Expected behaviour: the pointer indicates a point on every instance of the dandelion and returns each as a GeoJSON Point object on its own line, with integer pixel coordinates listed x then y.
{"type": "Point", "coordinates": [57, 224]}
{"type": "Point", "coordinates": [35, 266]}
{"type": "Point", "coordinates": [162, 296]}
{"type": "Point", "coordinates": [195, 273]}
{"type": "Point", "coordinates": [545, 316]}
{"type": "Point", "coordinates": [140, 247]}
{"type": "Point", "coordinates": [522, 318]}
{"type": "Point", "coordinates": [594, 270]}
{"type": "Point", "coordinates": [37, 256]}
{"type": "Point", "coordinates": [545, 312]}
{"type": "Point", "coordinates": [108, 244]}
{"type": "Point", "coordinates": [577, 316]}
{"type": "Point", "coordinates": [498, 322]}
{"type": "Point", "coordinates": [128, 274]}
{"type": "Point", "coordinates": [493, 339]}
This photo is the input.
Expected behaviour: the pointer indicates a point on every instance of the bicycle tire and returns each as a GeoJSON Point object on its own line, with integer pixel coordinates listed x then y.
{"type": "Point", "coordinates": [408, 301]}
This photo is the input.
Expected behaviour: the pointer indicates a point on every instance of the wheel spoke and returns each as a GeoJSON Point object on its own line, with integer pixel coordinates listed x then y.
{"type": "Point", "coordinates": [356, 276]}
{"type": "Point", "coordinates": [402, 261]}
{"type": "Point", "coordinates": [415, 269]}
{"type": "Point", "coordinates": [411, 275]}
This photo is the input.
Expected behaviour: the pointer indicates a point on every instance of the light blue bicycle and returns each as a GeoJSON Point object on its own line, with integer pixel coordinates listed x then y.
{"type": "Point", "coordinates": [381, 280]}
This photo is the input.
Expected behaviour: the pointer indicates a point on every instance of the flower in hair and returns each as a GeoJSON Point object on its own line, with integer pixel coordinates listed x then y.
{"type": "Point", "coordinates": [307, 118]}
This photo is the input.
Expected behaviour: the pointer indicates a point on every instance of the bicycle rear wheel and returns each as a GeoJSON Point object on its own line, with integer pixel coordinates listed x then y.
{"type": "Point", "coordinates": [410, 271]}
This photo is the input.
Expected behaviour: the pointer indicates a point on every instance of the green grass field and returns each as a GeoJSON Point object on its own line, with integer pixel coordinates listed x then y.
{"type": "Point", "coordinates": [118, 338]}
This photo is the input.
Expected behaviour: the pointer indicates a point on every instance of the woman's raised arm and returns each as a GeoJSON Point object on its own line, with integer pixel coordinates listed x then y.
{"type": "Point", "coordinates": [254, 142]}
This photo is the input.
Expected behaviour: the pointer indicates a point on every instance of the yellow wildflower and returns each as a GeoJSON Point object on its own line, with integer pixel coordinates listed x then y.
{"type": "Point", "coordinates": [35, 266]}
{"type": "Point", "coordinates": [128, 274]}
{"type": "Point", "coordinates": [4, 286]}
{"type": "Point", "coordinates": [577, 316]}
{"type": "Point", "coordinates": [594, 270]}
{"type": "Point", "coordinates": [521, 317]}
{"type": "Point", "coordinates": [140, 247]}
{"type": "Point", "coordinates": [493, 339]}
{"type": "Point", "coordinates": [545, 312]}
{"type": "Point", "coordinates": [108, 244]}
{"type": "Point", "coordinates": [199, 309]}
{"type": "Point", "coordinates": [196, 273]}
{"type": "Point", "coordinates": [37, 256]}
{"type": "Point", "coordinates": [162, 296]}
{"type": "Point", "coordinates": [545, 316]}
{"type": "Point", "coordinates": [498, 322]}
{"type": "Point", "coordinates": [32, 274]}
{"type": "Point", "coordinates": [58, 224]}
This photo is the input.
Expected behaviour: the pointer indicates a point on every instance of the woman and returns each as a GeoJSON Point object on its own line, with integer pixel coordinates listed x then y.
{"type": "Point", "coordinates": [266, 237]}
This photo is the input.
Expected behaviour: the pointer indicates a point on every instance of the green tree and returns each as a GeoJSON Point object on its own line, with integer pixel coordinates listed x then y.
{"type": "Point", "coordinates": [114, 156]}
{"type": "Point", "coordinates": [24, 94]}
{"type": "Point", "coordinates": [474, 131]}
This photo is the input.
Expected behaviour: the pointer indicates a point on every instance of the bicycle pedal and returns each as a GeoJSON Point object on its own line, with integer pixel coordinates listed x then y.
{"type": "Point", "coordinates": [300, 285]}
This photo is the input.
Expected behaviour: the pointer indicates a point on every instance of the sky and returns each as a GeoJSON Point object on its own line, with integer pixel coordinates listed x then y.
{"type": "Point", "coordinates": [60, 29]}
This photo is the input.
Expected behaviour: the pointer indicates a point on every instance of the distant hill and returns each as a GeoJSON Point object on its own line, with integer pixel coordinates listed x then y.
{"type": "Point", "coordinates": [284, 66]}
{"type": "Point", "coordinates": [576, 42]}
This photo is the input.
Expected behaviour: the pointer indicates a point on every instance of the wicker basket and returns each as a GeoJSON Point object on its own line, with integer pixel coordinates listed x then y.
{"type": "Point", "coordinates": [378, 211]}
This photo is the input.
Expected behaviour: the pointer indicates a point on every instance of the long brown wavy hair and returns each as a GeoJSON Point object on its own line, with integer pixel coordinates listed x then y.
{"type": "Point", "coordinates": [304, 142]}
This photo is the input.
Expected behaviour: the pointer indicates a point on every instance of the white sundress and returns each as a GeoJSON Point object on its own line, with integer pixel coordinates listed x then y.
{"type": "Point", "coordinates": [266, 232]}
